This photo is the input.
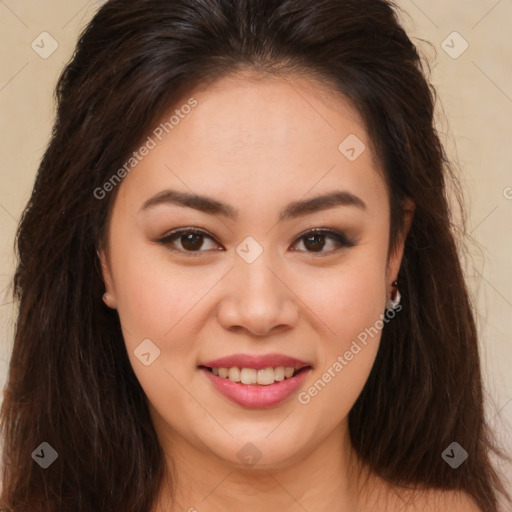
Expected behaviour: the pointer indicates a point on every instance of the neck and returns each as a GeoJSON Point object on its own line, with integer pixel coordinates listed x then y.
{"type": "Point", "coordinates": [324, 479]}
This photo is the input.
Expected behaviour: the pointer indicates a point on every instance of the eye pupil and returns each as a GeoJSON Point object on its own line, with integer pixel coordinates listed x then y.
{"type": "Point", "coordinates": [318, 245]}
{"type": "Point", "coordinates": [191, 239]}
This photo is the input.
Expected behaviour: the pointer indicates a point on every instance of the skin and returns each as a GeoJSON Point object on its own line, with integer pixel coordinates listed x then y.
{"type": "Point", "coordinates": [256, 144]}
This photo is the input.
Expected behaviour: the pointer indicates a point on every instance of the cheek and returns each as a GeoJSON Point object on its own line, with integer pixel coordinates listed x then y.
{"type": "Point", "coordinates": [350, 303]}
{"type": "Point", "coordinates": [154, 296]}
{"type": "Point", "coordinates": [158, 301]}
{"type": "Point", "coordinates": [348, 298]}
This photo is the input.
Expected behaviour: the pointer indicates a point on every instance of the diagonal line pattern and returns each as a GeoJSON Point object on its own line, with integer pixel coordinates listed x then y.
{"type": "Point", "coordinates": [486, 14]}
{"type": "Point", "coordinates": [484, 219]}
{"type": "Point", "coordinates": [2, 296]}
{"type": "Point", "coordinates": [8, 213]}
{"type": "Point", "coordinates": [216, 487]}
{"type": "Point", "coordinates": [500, 409]}
{"type": "Point", "coordinates": [494, 288]}
{"type": "Point", "coordinates": [492, 81]}
{"type": "Point", "coordinates": [311, 105]}
{"type": "Point", "coordinates": [287, 492]}
{"type": "Point", "coordinates": [198, 403]}
{"type": "Point", "coordinates": [13, 77]}
{"type": "Point", "coordinates": [424, 14]}
{"type": "Point", "coordinates": [124, 329]}
{"type": "Point", "coordinates": [301, 300]}
{"type": "Point", "coordinates": [306, 193]}
{"type": "Point", "coordinates": [13, 13]}
{"type": "Point", "coordinates": [184, 184]}
{"type": "Point", "coordinates": [76, 14]}
{"type": "Point", "coordinates": [204, 295]}
{"type": "Point", "coordinates": [280, 423]}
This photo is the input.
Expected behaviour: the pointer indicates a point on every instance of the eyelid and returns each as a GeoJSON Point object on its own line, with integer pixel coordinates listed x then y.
{"type": "Point", "coordinates": [176, 233]}
{"type": "Point", "coordinates": [340, 237]}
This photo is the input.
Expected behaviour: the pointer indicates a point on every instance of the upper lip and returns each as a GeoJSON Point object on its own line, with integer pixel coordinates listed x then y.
{"type": "Point", "coordinates": [257, 362]}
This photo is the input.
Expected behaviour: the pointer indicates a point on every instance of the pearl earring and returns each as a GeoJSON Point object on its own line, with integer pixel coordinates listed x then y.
{"type": "Point", "coordinates": [106, 297]}
{"type": "Point", "coordinates": [394, 301]}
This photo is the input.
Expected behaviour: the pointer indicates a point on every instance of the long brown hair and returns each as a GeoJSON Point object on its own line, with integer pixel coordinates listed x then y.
{"type": "Point", "coordinates": [70, 383]}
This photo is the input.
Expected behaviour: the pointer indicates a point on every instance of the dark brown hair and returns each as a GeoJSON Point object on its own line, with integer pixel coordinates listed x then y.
{"type": "Point", "coordinates": [70, 381]}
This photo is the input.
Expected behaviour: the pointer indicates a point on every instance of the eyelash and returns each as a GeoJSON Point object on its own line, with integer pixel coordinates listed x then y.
{"type": "Point", "coordinates": [340, 238]}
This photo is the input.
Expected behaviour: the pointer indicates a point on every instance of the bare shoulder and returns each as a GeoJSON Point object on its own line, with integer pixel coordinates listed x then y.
{"type": "Point", "coordinates": [437, 501]}
{"type": "Point", "coordinates": [386, 496]}
{"type": "Point", "coordinates": [402, 499]}
{"type": "Point", "coordinates": [453, 501]}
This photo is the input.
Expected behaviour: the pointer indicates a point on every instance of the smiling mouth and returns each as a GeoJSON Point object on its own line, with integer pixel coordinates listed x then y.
{"type": "Point", "coordinates": [253, 376]}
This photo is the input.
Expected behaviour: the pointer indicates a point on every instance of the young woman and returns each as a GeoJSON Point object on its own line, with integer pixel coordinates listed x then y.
{"type": "Point", "coordinates": [238, 283]}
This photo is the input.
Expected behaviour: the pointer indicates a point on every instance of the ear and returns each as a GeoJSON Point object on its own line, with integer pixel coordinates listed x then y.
{"type": "Point", "coordinates": [109, 296]}
{"type": "Point", "coordinates": [395, 258]}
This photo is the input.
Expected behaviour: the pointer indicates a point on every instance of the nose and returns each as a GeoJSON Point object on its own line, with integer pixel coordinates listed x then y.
{"type": "Point", "coordinates": [257, 299]}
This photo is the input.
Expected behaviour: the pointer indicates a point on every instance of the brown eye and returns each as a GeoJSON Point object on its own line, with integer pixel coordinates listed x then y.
{"type": "Point", "coordinates": [190, 240]}
{"type": "Point", "coordinates": [316, 240]}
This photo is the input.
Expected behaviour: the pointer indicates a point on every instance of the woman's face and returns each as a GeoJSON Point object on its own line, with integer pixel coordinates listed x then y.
{"type": "Point", "coordinates": [255, 285]}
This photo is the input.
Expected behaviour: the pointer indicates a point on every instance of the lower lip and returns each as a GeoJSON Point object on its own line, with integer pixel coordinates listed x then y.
{"type": "Point", "coordinates": [255, 395]}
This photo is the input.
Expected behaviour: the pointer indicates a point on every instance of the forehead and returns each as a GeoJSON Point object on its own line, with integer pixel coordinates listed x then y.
{"type": "Point", "coordinates": [249, 112]}
{"type": "Point", "coordinates": [262, 137]}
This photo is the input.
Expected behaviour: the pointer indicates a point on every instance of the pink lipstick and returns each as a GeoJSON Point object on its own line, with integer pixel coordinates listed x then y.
{"type": "Point", "coordinates": [256, 381]}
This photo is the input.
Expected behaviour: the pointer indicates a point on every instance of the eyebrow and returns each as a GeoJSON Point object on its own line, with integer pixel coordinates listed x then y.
{"type": "Point", "coordinates": [293, 210]}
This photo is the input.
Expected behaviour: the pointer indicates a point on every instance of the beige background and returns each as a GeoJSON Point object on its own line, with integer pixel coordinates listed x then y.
{"type": "Point", "coordinates": [475, 118]}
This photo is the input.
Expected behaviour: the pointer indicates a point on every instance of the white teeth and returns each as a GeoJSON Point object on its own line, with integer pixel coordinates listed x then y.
{"type": "Point", "coordinates": [266, 376]}
{"type": "Point", "coordinates": [234, 374]}
{"type": "Point", "coordinates": [263, 377]}
{"type": "Point", "coordinates": [279, 373]}
{"type": "Point", "coordinates": [248, 376]}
